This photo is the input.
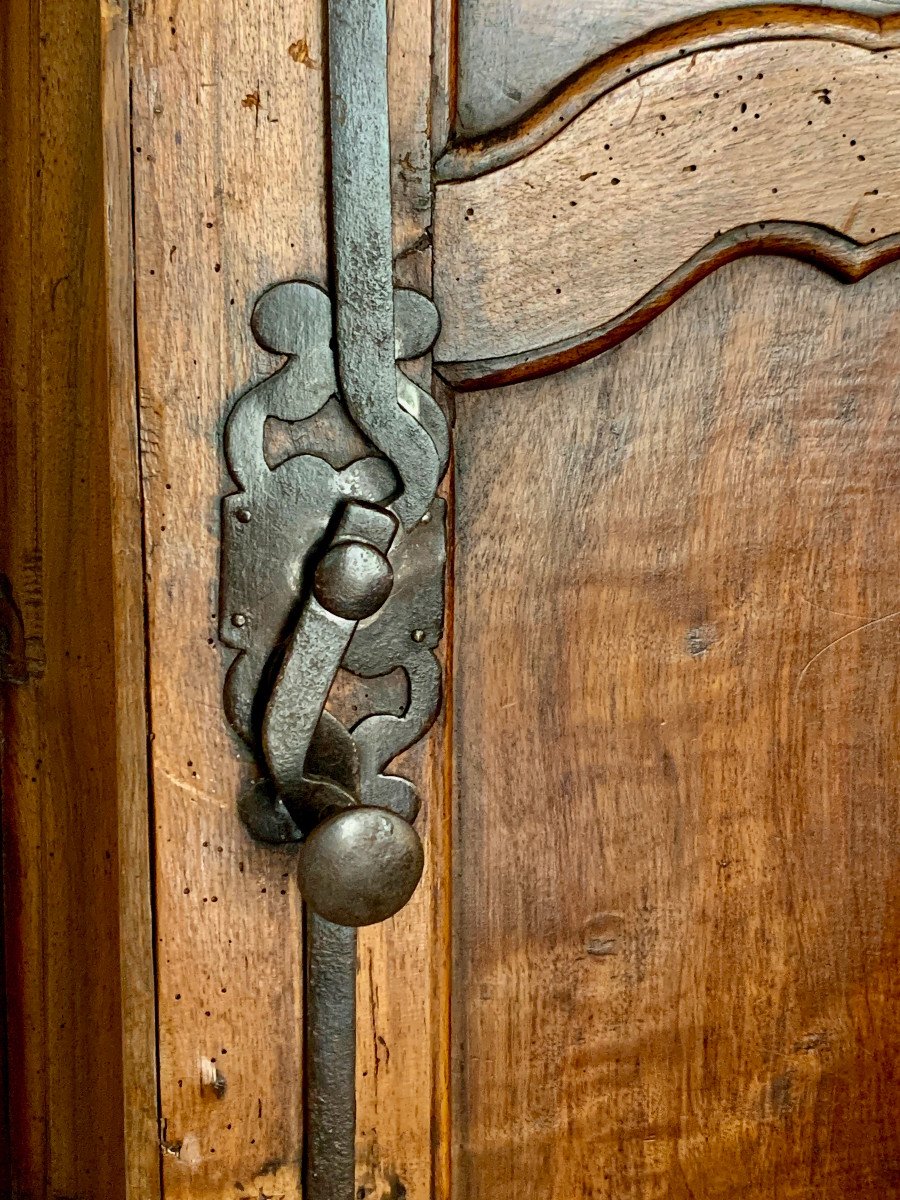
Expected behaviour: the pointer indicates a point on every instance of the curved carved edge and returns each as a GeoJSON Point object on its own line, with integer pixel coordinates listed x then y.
{"type": "Point", "coordinates": [840, 256]}
{"type": "Point", "coordinates": [763, 23]}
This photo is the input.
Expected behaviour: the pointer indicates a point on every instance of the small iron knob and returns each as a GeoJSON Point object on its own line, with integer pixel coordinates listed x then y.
{"type": "Point", "coordinates": [353, 580]}
{"type": "Point", "coordinates": [360, 866]}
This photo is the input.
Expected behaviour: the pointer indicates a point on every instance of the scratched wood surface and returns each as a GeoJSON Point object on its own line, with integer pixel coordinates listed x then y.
{"type": "Point", "coordinates": [221, 104]}
{"type": "Point", "coordinates": [403, 1025]}
{"type": "Point", "coordinates": [656, 169]}
{"type": "Point", "coordinates": [675, 748]}
{"type": "Point", "coordinates": [672, 872]}
{"type": "Point", "coordinates": [513, 52]}
{"type": "Point", "coordinates": [229, 154]}
{"type": "Point", "coordinates": [79, 1032]}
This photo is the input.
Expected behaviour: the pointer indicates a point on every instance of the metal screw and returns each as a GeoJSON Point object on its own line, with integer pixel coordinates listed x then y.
{"type": "Point", "coordinates": [238, 619]}
{"type": "Point", "coordinates": [418, 635]}
{"type": "Point", "coordinates": [243, 515]}
{"type": "Point", "coordinates": [425, 519]}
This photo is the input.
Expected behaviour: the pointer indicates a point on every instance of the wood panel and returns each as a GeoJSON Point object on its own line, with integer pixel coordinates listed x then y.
{"type": "Point", "coordinates": [403, 992]}
{"type": "Point", "coordinates": [78, 940]}
{"type": "Point", "coordinates": [650, 177]}
{"type": "Point", "coordinates": [229, 152]}
{"type": "Point", "coordinates": [465, 158]}
{"type": "Point", "coordinates": [513, 52]}
{"type": "Point", "coordinates": [675, 751]}
{"type": "Point", "coordinates": [228, 163]}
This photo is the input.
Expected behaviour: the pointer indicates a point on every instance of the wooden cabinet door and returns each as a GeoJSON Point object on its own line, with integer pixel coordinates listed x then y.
{"type": "Point", "coordinates": [654, 952]}
{"type": "Point", "coordinates": [674, 732]}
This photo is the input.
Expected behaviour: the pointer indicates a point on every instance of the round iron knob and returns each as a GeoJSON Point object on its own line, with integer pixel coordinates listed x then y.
{"type": "Point", "coordinates": [360, 866]}
{"type": "Point", "coordinates": [353, 580]}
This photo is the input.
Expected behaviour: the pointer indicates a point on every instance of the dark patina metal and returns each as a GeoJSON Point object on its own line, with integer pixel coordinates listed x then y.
{"type": "Point", "coordinates": [287, 535]}
{"type": "Point", "coordinates": [333, 559]}
{"type": "Point", "coordinates": [329, 1116]}
{"type": "Point", "coordinates": [360, 866]}
{"type": "Point", "coordinates": [353, 580]}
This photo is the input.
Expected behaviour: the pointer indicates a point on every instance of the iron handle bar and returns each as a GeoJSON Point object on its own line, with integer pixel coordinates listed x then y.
{"type": "Point", "coordinates": [362, 259]}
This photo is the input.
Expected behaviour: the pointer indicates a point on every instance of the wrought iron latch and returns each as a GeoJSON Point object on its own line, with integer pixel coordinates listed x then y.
{"type": "Point", "coordinates": [326, 564]}
{"type": "Point", "coordinates": [334, 558]}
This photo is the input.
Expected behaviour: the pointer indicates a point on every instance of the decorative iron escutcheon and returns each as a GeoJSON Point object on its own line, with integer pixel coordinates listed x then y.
{"type": "Point", "coordinates": [334, 558]}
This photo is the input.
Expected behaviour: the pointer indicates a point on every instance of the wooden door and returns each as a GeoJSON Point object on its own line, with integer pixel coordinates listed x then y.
{"type": "Point", "coordinates": [654, 952]}
{"type": "Point", "coordinates": [674, 920]}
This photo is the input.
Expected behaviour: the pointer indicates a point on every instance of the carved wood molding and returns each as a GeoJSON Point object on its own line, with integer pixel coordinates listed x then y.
{"type": "Point", "coordinates": [847, 260]}
{"type": "Point", "coordinates": [469, 158]}
{"type": "Point", "coordinates": [777, 147]}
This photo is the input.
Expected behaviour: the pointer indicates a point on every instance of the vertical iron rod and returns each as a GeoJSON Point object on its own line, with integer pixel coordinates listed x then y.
{"type": "Point", "coordinates": [361, 201]}
{"type": "Point", "coordinates": [362, 251]}
{"type": "Point", "coordinates": [362, 244]}
{"type": "Point", "coordinates": [363, 271]}
{"type": "Point", "coordinates": [330, 1060]}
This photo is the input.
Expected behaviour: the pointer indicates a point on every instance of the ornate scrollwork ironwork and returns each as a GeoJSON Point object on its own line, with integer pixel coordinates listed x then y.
{"type": "Point", "coordinates": [321, 571]}
{"type": "Point", "coordinates": [334, 557]}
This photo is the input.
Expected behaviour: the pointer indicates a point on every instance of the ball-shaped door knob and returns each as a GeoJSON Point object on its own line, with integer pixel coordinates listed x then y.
{"type": "Point", "coordinates": [353, 580]}
{"type": "Point", "coordinates": [360, 866]}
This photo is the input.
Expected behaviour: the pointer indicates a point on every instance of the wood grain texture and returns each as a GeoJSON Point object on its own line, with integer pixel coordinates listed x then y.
{"type": "Point", "coordinates": [445, 63]}
{"type": "Point", "coordinates": [229, 151]}
{"type": "Point", "coordinates": [846, 260]}
{"type": "Point", "coordinates": [675, 879]}
{"type": "Point", "coordinates": [228, 144]}
{"type": "Point", "coordinates": [410, 30]}
{"type": "Point", "coordinates": [137, 984]}
{"type": "Point", "coordinates": [512, 53]}
{"type": "Point", "coordinates": [403, 1016]}
{"type": "Point", "coordinates": [403, 993]}
{"type": "Point", "coordinates": [467, 157]}
{"type": "Point", "coordinates": [655, 171]}
{"type": "Point", "coordinates": [78, 941]}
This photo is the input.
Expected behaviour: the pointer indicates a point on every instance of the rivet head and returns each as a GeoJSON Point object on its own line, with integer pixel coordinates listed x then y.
{"type": "Point", "coordinates": [353, 580]}
{"type": "Point", "coordinates": [238, 620]}
{"type": "Point", "coordinates": [360, 866]}
{"type": "Point", "coordinates": [418, 635]}
{"type": "Point", "coordinates": [425, 519]}
{"type": "Point", "coordinates": [243, 515]}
